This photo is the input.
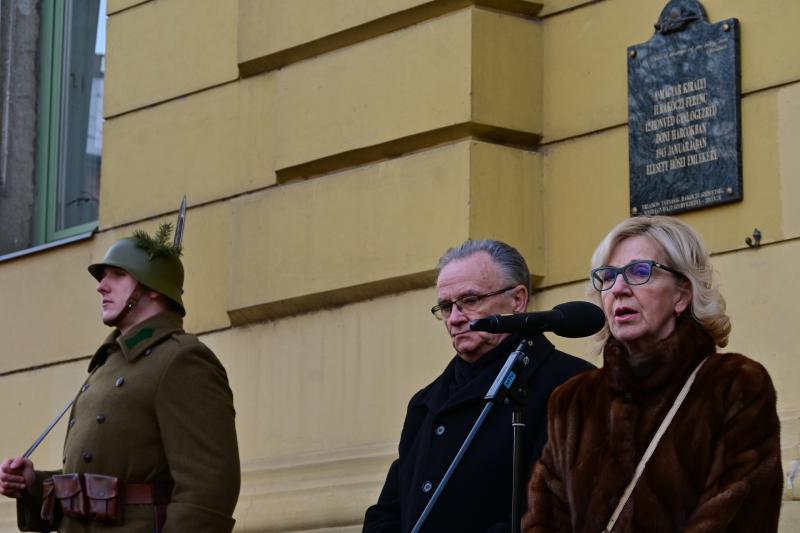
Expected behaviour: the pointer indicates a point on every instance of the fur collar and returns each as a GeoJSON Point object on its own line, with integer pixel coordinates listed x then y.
{"type": "Point", "coordinates": [670, 361]}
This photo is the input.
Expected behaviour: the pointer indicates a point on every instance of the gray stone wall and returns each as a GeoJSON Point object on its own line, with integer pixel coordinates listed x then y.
{"type": "Point", "coordinates": [19, 40]}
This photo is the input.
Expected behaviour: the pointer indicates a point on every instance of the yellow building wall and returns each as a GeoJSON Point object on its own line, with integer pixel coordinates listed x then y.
{"type": "Point", "coordinates": [331, 151]}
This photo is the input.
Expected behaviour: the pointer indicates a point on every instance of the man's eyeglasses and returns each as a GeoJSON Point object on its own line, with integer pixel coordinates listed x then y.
{"type": "Point", "coordinates": [468, 303]}
{"type": "Point", "coordinates": [634, 273]}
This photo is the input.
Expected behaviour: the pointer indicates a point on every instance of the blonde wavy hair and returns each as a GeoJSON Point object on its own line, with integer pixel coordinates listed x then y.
{"type": "Point", "coordinates": [685, 252]}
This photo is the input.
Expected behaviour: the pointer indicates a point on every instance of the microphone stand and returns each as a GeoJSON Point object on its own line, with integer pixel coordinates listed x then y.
{"type": "Point", "coordinates": [500, 391]}
{"type": "Point", "coordinates": [517, 482]}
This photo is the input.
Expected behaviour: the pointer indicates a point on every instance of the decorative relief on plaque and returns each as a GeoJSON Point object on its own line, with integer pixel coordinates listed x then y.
{"type": "Point", "coordinates": [684, 114]}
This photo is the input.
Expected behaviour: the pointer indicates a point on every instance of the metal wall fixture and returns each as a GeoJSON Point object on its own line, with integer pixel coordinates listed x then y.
{"type": "Point", "coordinates": [755, 240]}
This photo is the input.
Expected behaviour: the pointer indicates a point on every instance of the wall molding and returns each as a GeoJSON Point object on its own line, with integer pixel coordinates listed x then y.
{"type": "Point", "coordinates": [377, 27]}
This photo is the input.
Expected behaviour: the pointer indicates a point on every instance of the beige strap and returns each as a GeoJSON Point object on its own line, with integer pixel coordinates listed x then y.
{"type": "Point", "coordinates": [651, 448]}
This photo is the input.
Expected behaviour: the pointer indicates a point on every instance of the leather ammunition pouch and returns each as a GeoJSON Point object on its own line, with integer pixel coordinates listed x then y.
{"type": "Point", "coordinates": [68, 491]}
{"type": "Point", "coordinates": [100, 498]}
{"type": "Point", "coordinates": [48, 501]}
{"type": "Point", "coordinates": [104, 494]}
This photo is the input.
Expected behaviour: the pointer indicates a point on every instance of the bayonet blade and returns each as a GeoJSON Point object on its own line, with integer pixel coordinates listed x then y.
{"type": "Point", "coordinates": [47, 430]}
{"type": "Point", "coordinates": [180, 223]}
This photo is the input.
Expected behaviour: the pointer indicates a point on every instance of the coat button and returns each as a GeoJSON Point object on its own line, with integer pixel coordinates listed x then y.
{"type": "Point", "coordinates": [100, 418]}
{"type": "Point", "coordinates": [120, 382]}
{"type": "Point", "coordinates": [84, 387]}
{"type": "Point", "coordinates": [71, 422]}
{"type": "Point", "coordinates": [440, 431]}
{"type": "Point", "coordinates": [148, 351]}
{"type": "Point", "coordinates": [427, 486]}
{"type": "Point", "coordinates": [87, 457]}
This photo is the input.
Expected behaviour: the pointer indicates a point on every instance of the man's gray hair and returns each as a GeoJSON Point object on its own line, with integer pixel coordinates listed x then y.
{"type": "Point", "coordinates": [510, 261]}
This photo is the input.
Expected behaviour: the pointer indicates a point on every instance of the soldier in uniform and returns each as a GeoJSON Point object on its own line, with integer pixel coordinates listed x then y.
{"type": "Point", "coordinates": [151, 441]}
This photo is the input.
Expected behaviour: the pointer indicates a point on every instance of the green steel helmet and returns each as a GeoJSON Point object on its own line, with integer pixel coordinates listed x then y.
{"type": "Point", "coordinates": [156, 266]}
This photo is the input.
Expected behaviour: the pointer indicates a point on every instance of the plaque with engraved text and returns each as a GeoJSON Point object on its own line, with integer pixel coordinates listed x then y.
{"type": "Point", "coordinates": [684, 113]}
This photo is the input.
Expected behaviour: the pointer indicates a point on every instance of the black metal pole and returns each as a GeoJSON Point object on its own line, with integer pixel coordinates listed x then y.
{"type": "Point", "coordinates": [518, 481]}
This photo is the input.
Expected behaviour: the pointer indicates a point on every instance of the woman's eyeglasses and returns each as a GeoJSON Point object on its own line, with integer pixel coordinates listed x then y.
{"type": "Point", "coordinates": [634, 273]}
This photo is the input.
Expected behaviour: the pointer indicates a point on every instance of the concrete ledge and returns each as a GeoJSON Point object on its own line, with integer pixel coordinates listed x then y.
{"type": "Point", "coordinates": [406, 145]}
{"type": "Point", "coordinates": [331, 299]}
{"type": "Point", "coordinates": [154, 52]}
{"type": "Point", "coordinates": [397, 215]}
{"type": "Point", "coordinates": [254, 60]}
{"type": "Point", "coordinates": [115, 6]}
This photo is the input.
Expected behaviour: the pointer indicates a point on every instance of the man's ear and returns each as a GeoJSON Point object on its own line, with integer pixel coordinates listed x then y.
{"type": "Point", "coordinates": [159, 299]}
{"type": "Point", "coordinates": [520, 295]}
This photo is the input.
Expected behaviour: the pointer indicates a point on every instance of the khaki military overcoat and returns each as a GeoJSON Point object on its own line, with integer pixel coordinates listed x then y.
{"type": "Point", "coordinates": [156, 408]}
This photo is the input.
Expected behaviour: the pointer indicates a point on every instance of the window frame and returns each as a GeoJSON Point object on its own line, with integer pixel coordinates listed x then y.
{"type": "Point", "coordinates": [49, 127]}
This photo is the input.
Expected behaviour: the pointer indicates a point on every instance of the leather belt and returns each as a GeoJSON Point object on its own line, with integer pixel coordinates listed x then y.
{"type": "Point", "coordinates": [140, 494]}
{"type": "Point", "coordinates": [99, 498]}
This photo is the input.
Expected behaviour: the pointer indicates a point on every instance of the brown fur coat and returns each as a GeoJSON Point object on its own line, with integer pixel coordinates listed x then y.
{"type": "Point", "coordinates": [717, 468]}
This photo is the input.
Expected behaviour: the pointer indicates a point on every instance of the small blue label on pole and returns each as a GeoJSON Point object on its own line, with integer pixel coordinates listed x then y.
{"type": "Point", "coordinates": [510, 380]}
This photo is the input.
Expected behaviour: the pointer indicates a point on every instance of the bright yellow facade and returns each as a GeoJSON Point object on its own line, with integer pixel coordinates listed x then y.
{"type": "Point", "coordinates": [331, 150]}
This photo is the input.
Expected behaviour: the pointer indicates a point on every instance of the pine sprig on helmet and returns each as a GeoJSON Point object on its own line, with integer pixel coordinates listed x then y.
{"type": "Point", "coordinates": [151, 260]}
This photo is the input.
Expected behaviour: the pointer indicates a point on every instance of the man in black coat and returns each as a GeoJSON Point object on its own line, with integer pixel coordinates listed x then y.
{"type": "Point", "coordinates": [476, 279]}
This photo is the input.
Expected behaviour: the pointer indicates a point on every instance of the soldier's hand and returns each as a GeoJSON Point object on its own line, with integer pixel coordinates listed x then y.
{"type": "Point", "coordinates": [16, 475]}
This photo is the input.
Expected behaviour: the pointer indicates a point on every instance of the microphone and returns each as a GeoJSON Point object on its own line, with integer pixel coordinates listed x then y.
{"type": "Point", "coordinates": [571, 319]}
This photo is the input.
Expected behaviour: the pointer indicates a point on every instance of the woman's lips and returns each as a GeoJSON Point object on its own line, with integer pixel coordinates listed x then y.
{"type": "Point", "coordinates": [625, 314]}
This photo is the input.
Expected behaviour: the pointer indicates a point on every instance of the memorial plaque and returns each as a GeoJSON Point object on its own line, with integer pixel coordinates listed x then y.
{"type": "Point", "coordinates": [684, 113]}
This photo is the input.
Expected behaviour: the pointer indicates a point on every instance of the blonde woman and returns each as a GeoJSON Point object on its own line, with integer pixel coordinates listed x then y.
{"type": "Point", "coordinates": [711, 466]}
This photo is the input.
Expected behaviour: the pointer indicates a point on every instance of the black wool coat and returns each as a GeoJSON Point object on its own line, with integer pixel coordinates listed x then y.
{"type": "Point", "coordinates": [478, 496]}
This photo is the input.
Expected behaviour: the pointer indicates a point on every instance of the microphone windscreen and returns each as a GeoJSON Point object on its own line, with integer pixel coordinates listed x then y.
{"type": "Point", "coordinates": [579, 319]}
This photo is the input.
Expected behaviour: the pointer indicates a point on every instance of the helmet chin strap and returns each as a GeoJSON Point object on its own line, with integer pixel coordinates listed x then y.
{"type": "Point", "coordinates": [133, 299]}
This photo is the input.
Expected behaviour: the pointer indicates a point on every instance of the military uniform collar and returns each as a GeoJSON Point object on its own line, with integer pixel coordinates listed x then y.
{"type": "Point", "coordinates": [141, 337]}
{"type": "Point", "coordinates": [148, 333]}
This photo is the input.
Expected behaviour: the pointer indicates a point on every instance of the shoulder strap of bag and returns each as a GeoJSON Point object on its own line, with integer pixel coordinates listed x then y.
{"type": "Point", "coordinates": [652, 446]}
